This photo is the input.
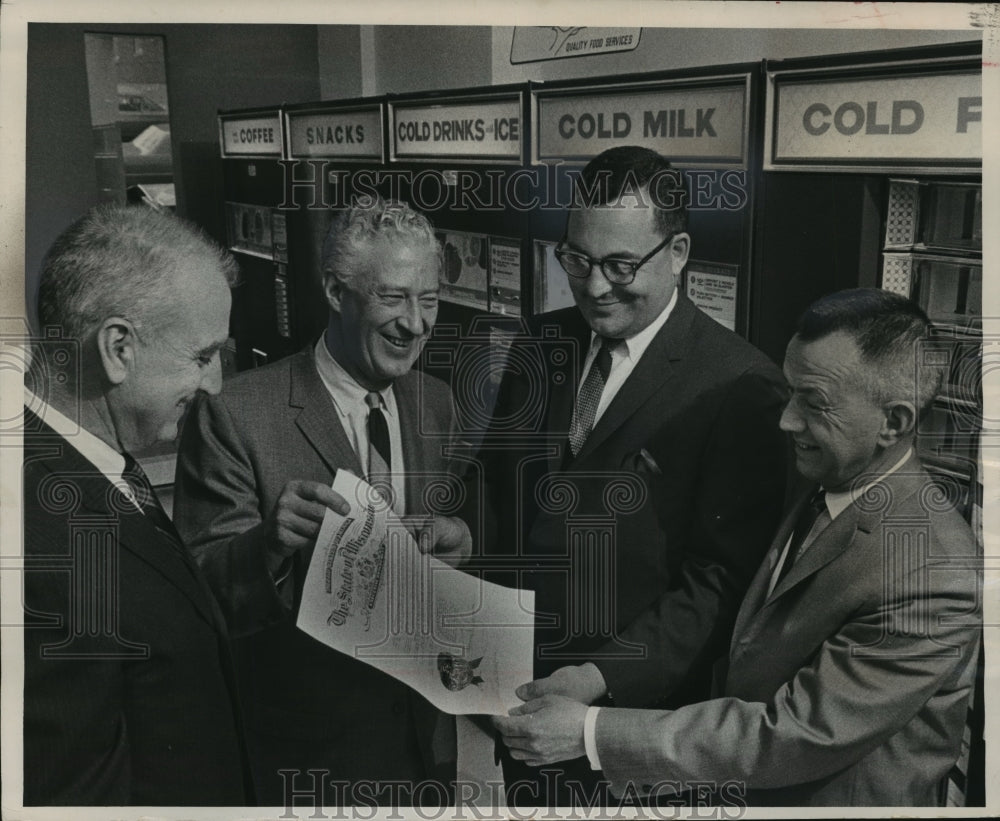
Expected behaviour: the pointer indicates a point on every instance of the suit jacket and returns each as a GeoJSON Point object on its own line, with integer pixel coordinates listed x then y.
{"type": "Point", "coordinates": [129, 693]}
{"type": "Point", "coordinates": [307, 706]}
{"type": "Point", "coordinates": [848, 685]}
{"type": "Point", "coordinates": [640, 548]}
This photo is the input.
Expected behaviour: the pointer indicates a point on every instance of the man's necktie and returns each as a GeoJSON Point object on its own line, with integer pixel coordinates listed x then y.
{"type": "Point", "coordinates": [590, 395]}
{"type": "Point", "coordinates": [803, 527]}
{"type": "Point", "coordinates": [142, 493]}
{"type": "Point", "coordinates": [379, 453]}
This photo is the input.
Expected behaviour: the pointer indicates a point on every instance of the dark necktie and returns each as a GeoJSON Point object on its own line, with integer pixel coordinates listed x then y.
{"type": "Point", "coordinates": [142, 492]}
{"type": "Point", "coordinates": [379, 453]}
{"type": "Point", "coordinates": [807, 518]}
{"type": "Point", "coordinates": [590, 395]}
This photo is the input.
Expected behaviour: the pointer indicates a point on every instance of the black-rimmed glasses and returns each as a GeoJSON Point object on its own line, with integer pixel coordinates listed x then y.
{"type": "Point", "coordinates": [617, 271]}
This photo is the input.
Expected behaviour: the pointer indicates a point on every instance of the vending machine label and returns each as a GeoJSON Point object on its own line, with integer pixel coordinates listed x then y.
{"type": "Point", "coordinates": [712, 286]}
{"type": "Point", "coordinates": [335, 134]}
{"type": "Point", "coordinates": [480, 130]}
{"type": "Point", "coordinates": [889, 120]}
{"type": "Point", "coordinates": [505, 276]}
{"type": "Point", "coordinates": [251, 137]}
{"type": "Point", "coordinates": [705, 124]}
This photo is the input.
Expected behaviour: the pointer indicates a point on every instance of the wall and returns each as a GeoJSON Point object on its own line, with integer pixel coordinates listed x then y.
{"type": "Point", "coordinates": [662, 49]}
{"type": "Point", "coordinates": [400, 59]}
{"type": "Point", "coordinates": [209, 67]}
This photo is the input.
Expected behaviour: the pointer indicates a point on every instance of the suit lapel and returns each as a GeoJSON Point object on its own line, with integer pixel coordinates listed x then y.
{"type": "Point", "coordinates": [757, 592]}
{"type": "Point", "coordinates": [651, 373]}
{"type": "Point", "coordinates": [563, 383]}
{"type": "Point", "coordinates": [318, 419]}
{"type": "Point", "coordinates": [417, 453]}
{"type": "Point", "coordinates": [135, 532]}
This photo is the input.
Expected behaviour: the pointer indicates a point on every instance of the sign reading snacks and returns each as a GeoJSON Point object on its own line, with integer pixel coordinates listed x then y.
{"type": "Point", "coordinates": [335, 135]}
{"type": "Point", "coordinates": [478, 130]}
{"type": "Point", "coordinates": [258, 136]}
{"type": "Point", "coordinates": [704, 124]}
{"type": "Point", "coordinates": [894, 121]}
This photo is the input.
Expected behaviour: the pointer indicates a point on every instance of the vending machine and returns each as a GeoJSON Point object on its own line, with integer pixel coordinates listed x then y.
{"type": "Point", "coordinates": [335, 152]}
{"type": "Point", "coordinates": [262, 320]}
{"type": "Point", "coordinates": [873, 177]}
{"type": "Point", "coordinates": [460, 158]}
{"type": "Point", "coordinates": [701, 120]}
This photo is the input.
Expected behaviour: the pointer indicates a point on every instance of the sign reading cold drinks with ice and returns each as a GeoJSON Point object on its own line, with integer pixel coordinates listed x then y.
{"type": "Point", "coordinates": [890, 121]}
{"type": "Point", "coordinates": [478, 130]}
{"type": "Point", "coordinates": [704, 124]}
{"type": "Point", "coordinates": [258, 136]}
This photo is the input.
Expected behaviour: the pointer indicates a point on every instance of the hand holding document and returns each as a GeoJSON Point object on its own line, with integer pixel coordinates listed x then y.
{"type": "Point", "coordinates": [462, 643]}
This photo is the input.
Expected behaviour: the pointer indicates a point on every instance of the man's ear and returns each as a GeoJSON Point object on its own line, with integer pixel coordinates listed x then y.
{"type": "Point", "coordinates": [679, 250]}
{"type": "Point", "coordinates": [334, 290]}
{"type": "Point", "coordinates": [900, 421]}
{"type": "Point", "coordinates": [116, 341]}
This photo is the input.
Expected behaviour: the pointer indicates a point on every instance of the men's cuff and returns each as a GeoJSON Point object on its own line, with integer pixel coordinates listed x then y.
{"type": "Point", "coordinates": [590, 737]}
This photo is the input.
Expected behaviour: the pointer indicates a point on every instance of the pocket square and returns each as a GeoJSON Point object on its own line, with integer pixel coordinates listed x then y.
{"type": "Point", "coordinates": [643, 462]}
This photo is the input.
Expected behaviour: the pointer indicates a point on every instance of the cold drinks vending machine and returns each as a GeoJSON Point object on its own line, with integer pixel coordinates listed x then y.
{"type": "Point", "coordinates": [459, 157]}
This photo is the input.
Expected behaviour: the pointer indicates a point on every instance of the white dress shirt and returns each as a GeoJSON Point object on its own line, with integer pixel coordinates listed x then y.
{"type": "Point", "coordinates": [836, 503]}
{"type": "Point", "coordinates": [624, 358]}
{"type": "Point", "coordinates": [95, 450]}
{"type": "Point", "coordinates": [349, 400]}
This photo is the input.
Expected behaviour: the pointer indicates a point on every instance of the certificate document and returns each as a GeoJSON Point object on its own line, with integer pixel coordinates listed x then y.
{"type": "Point", "coordinates": [463, 643]}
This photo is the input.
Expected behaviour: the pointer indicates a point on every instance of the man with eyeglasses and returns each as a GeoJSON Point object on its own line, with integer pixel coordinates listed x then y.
{"type": "Point", "coordinates": [642, 518]}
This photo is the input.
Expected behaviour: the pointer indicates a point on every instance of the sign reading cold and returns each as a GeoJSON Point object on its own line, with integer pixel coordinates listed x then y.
{"type": "Point", "coordinates": [479, 130]}
{"type": "Point", "coordinates": [936, 117]}
{"type": "Point", "coordinates": [251, 137]}
{"type": "Point", "coordinates": [704, 124]}
{"type": "Point", "coordinates": [335, 134]}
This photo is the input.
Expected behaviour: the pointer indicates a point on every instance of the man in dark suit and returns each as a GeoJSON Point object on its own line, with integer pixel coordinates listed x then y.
{"type": "Point", "coordinates": [253, 483]}
{"type": "Point", "coordinates": [854, 652]}
{"type": "Point", "coordinates": [657, 473]}
{"type": "Point", "coordinates": [129, 693]}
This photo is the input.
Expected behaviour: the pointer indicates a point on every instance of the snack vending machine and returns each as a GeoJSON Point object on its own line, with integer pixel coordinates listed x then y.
{"type": "Point", "coordinates": [335, 152]}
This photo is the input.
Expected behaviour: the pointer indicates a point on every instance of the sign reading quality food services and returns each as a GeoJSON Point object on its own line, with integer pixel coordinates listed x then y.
{"type": "Point", "coordinates": [891, 121]}
{"type": "Point", "coordinates": [704, 124]}
{"type": "Point", "coordinates": [481, 130]}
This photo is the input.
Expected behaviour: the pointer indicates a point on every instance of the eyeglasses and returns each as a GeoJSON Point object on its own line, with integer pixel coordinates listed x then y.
{"type": "Point", "coordinates": [616, 271]}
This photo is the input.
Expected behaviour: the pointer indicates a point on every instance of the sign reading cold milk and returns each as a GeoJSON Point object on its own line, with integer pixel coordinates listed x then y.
{"type": "Point", "coordinates": [894, 121]}
{"type": "Point", "coordinates": [251, 137]}
{"type": "Point", "coordinates": [335, 135]}
{"type": "Point", "coordinates": [706, 124]}
{"type": "Point", "coordinates": [474, 131]}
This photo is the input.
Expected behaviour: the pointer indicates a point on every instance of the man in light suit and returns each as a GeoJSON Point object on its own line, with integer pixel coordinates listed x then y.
{"type": "Point", "coordinates": [129, 691]}
{"type": "Point", "coordinates": [851, 664]}
{"type": "Point", "coordinates": [657, 474]}
{"type": "Point", "coordinates": [253, 483]}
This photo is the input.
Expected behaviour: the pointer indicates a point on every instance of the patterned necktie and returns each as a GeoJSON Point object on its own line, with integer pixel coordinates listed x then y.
{"type": "Point", "coordinates": [803, 527]}
{"type": "Point", "coordinates": [379, 453]}
{"type": "Point", "coordinates": [590, 395]}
